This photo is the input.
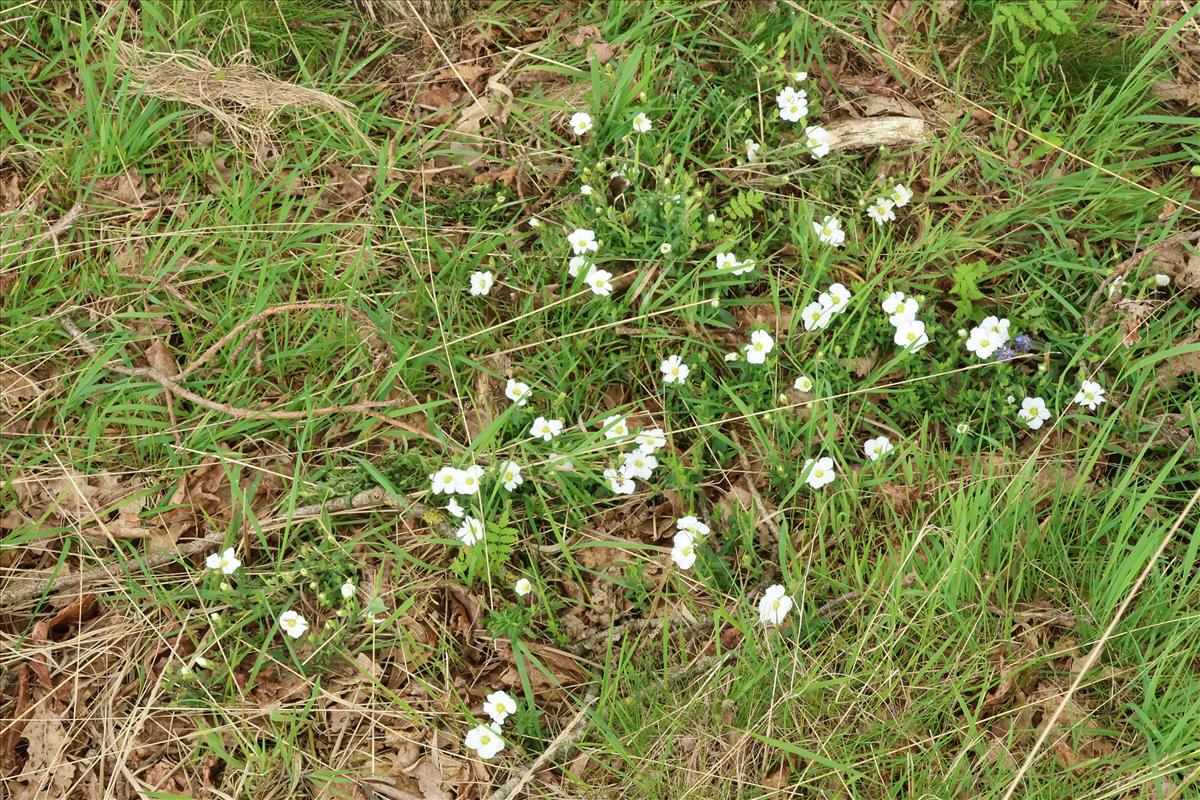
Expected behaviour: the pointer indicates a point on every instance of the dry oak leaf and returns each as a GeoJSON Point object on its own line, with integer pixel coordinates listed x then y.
{"type": "Point", "coordinates": [47, 772]}
{"type": "Point", "coordinates": [599, 49]}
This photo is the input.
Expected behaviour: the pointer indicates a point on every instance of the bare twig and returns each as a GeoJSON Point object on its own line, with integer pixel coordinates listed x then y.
{"type": "Point", "coordinates": [561, 744]}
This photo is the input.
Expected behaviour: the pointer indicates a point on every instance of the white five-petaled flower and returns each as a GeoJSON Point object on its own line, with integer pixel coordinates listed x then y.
{"type": "Point", "coordinates": [444, 481]}
{"type": "Point", "coordinates": [468, 480]}
{"type": "Point", "coordinates": [911, 335]}
{"type": "Point", "coordinates": [900, 195]}
{"type": "Point", "coordinates": [816, 139]}
{"type": "Point", "coordinates": [674, 370]}
{"type": "Point", "coordinates": [454, 508]}
{"type": "Point", "coordinates": [829, 231]}
{"type": "Point", "coordinates": [576, 264]}
{"type": "Point", "coordinates": [615, 427]}
{"type": "Point", "coordinates": [835, 298]}
{"type": "Point", "coordinates": [641, 123]}
{"type": "Point", "coordinates": [545, 429]}
{"type": "Point", "coordinates": [815, 316]}
{"type": "Point", "coordinates": [983, 342]}
{"type": "Point", "coordinates": [792, 103]}
{"type": "Point", "coordinates": [774, 605]}
{"type": "Point", "coordinates": [618, 481]}
{"type": "Point", "coordinates": [498, 705]}
{"type": "Point", "coordinates": [522, 587]}
{"type": "Point", "coordinates": [729, 262]}
{"type": "Point", "coordinates": [906, 311]}
{"type": "Point", "coordinates": [226, 561]}
{"type": "Point", "coordinates": [1161, 279]}
{"type": "Point", "coordinates": [534, 222]}
{"type": "Point", "coordinates": [1090, 394]}
{"type": "Point", "coordinates": [650, 440]}
{"type": "Point", "coordinates": [485, 740]}
{"type": "Point", "coordinates": [819, 471]}
{"type": "Point", "coordinates": [760, 345]}
{"type": "Point", "coordinates": [874, 448]}
{"type": "Point", "coordinates": [581, 122]}
{"type": "Point", "coordinates": [803, 384]}
{"type": "Point", "coordinates": [683, 549]}
{"type": "Point", "coordinates": [1034, 412]}
{"type": "Point", "coordinates": [470, 532]}
{"type": "Point", "coordinates": [510, 475]}
{"type": "Point", "coordinates": [517, 391]}
{"type": "Point", "coordinates": [664, 248]}
{"type": "Point", "coordinates": [293, 623]}
{"type": "Point", "coordinates": [638, 465]}
{"type": "Point", "coordinates": [481, 283]}
{"type": "Point", "coordinates": [998, 328]}
{"type": "Point", "coordinates": [752, 148]}
{"type": "Point", "coordinates": [586, 190]}
{"type": "Point", "coordinates": [800, 76]}
{"type": "Point", "coordinates": [599, 281]}
{"type": "Point", "coordinates": [693, 525]}
{"type": "Point", "coordinates": [347, 589]}
{"type": "Point", "coordinates": [881, 210]}
{"type": "Point", "coordinates": [583, 241]}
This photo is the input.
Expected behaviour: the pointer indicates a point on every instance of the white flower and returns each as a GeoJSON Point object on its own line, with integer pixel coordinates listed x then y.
{"type": "Point", "coordinates": [444, 480]}
{"type": "Point", "coordinates": [815, 316]}
{"type": "Point", "coordinates": [730, 357]}
{"type": "Point", "coordinates": [800, 77]}
{"type": "Point", "coordinates": [816, 139]}
{"type": "Point", "coordinates": [905, 312]}
{"type": "Point", "coordinates": [534, 222]}
{"type": "Point", "coordinates": [900, 195]}
{"type": "Point", "coordinates": [599, 281]}
{"type": "Point", "coordinates": [1091, 394]}
{"type": "Point", "coordinates": [1034, 412]}
{"type": "Point", "coordinates": [683, 550]}
{"type": "Point", "coordinates": [618, 482]}
{"type": "Point", "coordinates": [835, 298]}
{"type": "Point", "coordinates": [468, 480]}
{"type": "Point", "coordinates": [545, 429]}
{"type": "Point", "coordinates": [1162, 280]}
{"type": "Point", "coordinates": [874, 448]}
{"type": "Point", "coordinates": [692, 525]}
{"type": "Point", "coordinates": [881, 210]}
{"type": "Point", "coordinates": [454, 508]}
{"type": "Point", "coordinates": [760, 345]}
{"type": "Point", "coordinates": [803, 384]}
{"type": "Point", "coordinates": [788, 94]}
{"type": "Point", "coordinates": [615, 427]}
{"type": "Point", "coordinates": [577, 263]}
{"type": "Point", "coordinates": [470, 532]}
{"type": "Point", "coordinates": [727, 261]}
{"type": "Point", "coordinates": [910, 334]}
{"type": "Point", "coordinates": [1010, 399]}
{"type": "Point", "coordinates": [997, 327]}
{"type": "Point", "coordinates": [517, 391]}
{"type": "Point", "coordinates": [774, 606]}
{"type": "Point", "coordinates": [711, 218]}
{"type": "Point", "coordinates": [792, 103]}
{"type": "Point", "coordinates": [962, 428]}
{"type": "Point", "coordinates": [498, 705]}
{"type": "Point", "coordinates": [347, 589]}
{"type": "Point", "coordinates": [293, 624]}
{"type": "Point", "coordinates": [583, 241]}
{"type": "Point", "coordinates": [650, 440]}
{"type": "Point", "coordinates": [510, 475]}
{"type": "Point", "coordinates": [585, 190]}
{"type": "Point", "coordinates": [893, 303]}
{"type": "Point", "coordinates": [226, 561]}
{"type": "Point", "coordinates": [674, 370]}
{"type": "Point", "coordinates": [664, 248]}
{"type": "Point", "coordinates": [829, 231]}
{"type": "Point", "coordinates": [752, 148]}
{"type": "Point", "coordinates": [484, 740]}
{"type": "Point", "coordinates": [641, 123]}
{"type": "Point", "coordinates": [983, 342]}
{"type": "Point", "coordinates": [638, 465]}
{"type": "Point", "coordinates": [819, 472]}
{"type": "Point", "coordinates": [581, 122]}
{"type": "Point", "coordinates": [522, 587]}
{"type": "Point", "coordinates": [481, 282]}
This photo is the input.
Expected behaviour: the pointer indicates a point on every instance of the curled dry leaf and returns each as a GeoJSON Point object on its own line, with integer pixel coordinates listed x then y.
{"type": "Point", "coordinates": [48, 772]}
{"type": "Point", "coordinates": [599, 49]}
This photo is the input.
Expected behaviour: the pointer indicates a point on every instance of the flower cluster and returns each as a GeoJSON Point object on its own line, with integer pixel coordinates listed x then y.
{"type": "Point", "coordinates": [902, 314]}
{"type": "Point", "coordinates": [583, 242]}
{"type": "Point", "coordinates": [829, 303]}
{"type": "Point", "coordinates": [883, 209]}
{"type": "Point", "coordinates": [728, 262]}
{"type": "Point", "coordinates": [486, 739]}
{"type": "Point", "coordinates": [451, 480]}
{"type": "Point", "coordinates": [688, 530]}
{"type": "Point", "coordinates": [987, 337]}
{"type": "Point", "coordinates": [638, 463]}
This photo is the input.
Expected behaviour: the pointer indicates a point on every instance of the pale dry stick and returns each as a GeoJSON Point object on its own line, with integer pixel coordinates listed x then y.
{"type": "Point", "coordinates": [1098, 648]}
{"type": "Point", "coordinates": [571, 734]}
{"type": "Point", "coordinates": [994, 115]}
{"type": "Point", "coordinates": [55, 229]}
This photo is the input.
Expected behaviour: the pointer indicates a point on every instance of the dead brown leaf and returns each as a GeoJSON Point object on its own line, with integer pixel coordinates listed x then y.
{"type": "Point", "coordinates": [438, 96]}
{"type": "Point", "coordinates": [599, 49]}
{"type": "Point", "coordinates": [127, 189]}
{"type": "Point", "coordinates": [47, 771]}
{"type": "Point", "coordinates": [1188, 93]}
{"type": "Point", "coordinates": [1182, 264]}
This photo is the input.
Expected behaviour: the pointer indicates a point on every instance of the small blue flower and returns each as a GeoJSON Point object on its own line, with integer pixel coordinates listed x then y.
{"type": "Point", "coordinates": [1023, 343]}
